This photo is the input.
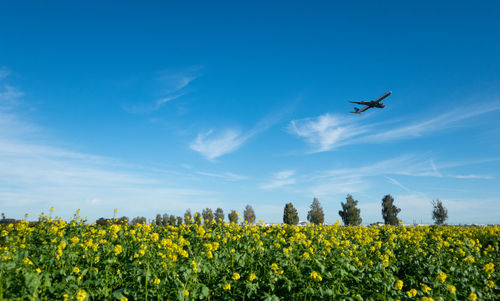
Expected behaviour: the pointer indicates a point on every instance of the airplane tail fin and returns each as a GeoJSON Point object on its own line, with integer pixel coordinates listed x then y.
{"type": "Point", "coordinates": [356, 111]}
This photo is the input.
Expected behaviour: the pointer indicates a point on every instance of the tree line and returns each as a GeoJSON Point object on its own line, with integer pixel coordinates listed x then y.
{"type": "Point", "coordinates": [350, 215]}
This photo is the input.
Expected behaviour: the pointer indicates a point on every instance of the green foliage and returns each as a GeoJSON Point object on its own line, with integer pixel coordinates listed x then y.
{"type": "Point", "coordinates": [249, 214]}
{"type": "Point", "coordinates": [158, 220]}
{"type": "Point", "coordinates": [350, 214]}
{"type": "Point", "coordinates": [198, 219]}
{"type": "Point", "coordinates": [57, 260]}
{"type": "Point", "coordinates": [439, 213]}
{"type": "Point", "coordinates": [171, 220]}
{"type": "Point", "coordinates": [290, 215]}
{"type": "Point", "coordinates": [390, 211]}
{"type": "Point", "coordinates": [208, 215]}
{"type": "Point", "coordinates": [316, 215]}
{"type": "Point", "coordinates": [188, 219]}
{"type": "Point", "coordinates": [233, 217]}
{"type": "Point", "coordinates": [219, 215]}
{"type": "Point", "coordinates": [138, 220]}
{"type": "Point", "coordinates": [165, 219]}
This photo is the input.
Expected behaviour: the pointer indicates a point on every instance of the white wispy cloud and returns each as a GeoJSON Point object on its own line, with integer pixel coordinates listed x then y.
{"type": "Point", "coordinates": [172, 84]}
{"type": "Point", "coordinates": [280, 179]}
{"type": "Point", "coordinates": [36, 173]}
{"type": "Point", "coordinates": [327, 132]}
{"type": "Point", "coordinates": [213, 145]}
{"type": "Point", "coordinates": [227, 176]}
{"type": "Point", "coordinates": [397, 183]}
{"type": "Point", "coordinates": [163, 100]}
{"type": "Point", "coordinates": [4, 72]}
{"type": "Point", "coordinates": [9, 96]}
{"type": "Point", "coordinates": [472, 176]}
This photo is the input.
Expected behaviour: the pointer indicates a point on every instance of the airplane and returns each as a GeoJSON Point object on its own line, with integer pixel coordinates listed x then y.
{"type": "Point", "coordinates": [370, 104]}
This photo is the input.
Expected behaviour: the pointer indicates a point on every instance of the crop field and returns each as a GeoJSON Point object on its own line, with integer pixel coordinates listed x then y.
{"type": "Point", "coordinates": [58, 260]}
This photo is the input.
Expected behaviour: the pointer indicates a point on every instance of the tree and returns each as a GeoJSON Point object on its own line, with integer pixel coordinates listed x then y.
{"type": "Point", "coordinates": [208, 216]}
{"type": "Point", "coordinates": [179, 221]}
{"type": "Point", "coordinates": [233, 217]}
{"type": "Point", "coordinates": [290, 215]}
{"type": "Point", "coordinates": [316, 215]}
{"type": "Point", "coordinates": [249, 214]}
{"type": "Point", "coordinates": [219, 215]}
{"type": "Point", "coordinates": [390, 211]}
{"type": "Point", "coordinates": [349, 213]}
{"type": "Point", "coordinates": [197, 218]}
{"type": "Point", "coordinates": [101, 221]}
{"type": "Point", "coordinates": [440, 213]}
{"type": "Point", "coordinates": [158, 220]}
{"type": "Point", "coordinates": [171, 220]}
{"type": "Point", "coordinates": [188, 219]}
{"type": "Point", "coordinates": [138, 220]}
{"type": "Point", "coordinates": [164, 220]}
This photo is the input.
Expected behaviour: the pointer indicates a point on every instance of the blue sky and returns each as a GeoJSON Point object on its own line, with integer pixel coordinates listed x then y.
{"type": "Point", "coordinates": [160, 107]}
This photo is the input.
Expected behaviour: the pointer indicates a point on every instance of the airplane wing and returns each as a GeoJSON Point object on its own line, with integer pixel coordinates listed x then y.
{"type": "Point", "coordinates": [383, 96]}
{"type": "Point", "coordinates": [361, 110]}
{"type": "Point", "coordinates": [360, 102]}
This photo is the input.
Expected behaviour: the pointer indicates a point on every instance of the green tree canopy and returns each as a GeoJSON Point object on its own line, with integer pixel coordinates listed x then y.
{"type": "Point", "coordinates": [350, 214]}
{"type": "Point", "coordinates": [188, 219]}
{"type": "Point", "coordinates": [290, 215]}
{"type": "Point", "coordinates": [208, 215]}
{"type": "Point", "coordinates": [233, 217]}
{"type": "Point", "coordinates": [316, 215]}
{"type": "Point", "coordinates": [249, 214]}
{"type": "Point", "coordinates": [440, 213]}
{"type": "Point", "coordinates": [390, 211]}
{"type": "Point", "coordinates": [219, 215]}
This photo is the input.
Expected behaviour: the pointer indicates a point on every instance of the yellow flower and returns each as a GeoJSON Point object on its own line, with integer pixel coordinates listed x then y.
{"type": "Point", "coordinates": [81, 295]}
{"type": "Point", "coordinates": [236, 276]}
{"type": "Point", "coordinates": [274, 267]}
{"type": "Point", "coordinates": [441, 277]}
{"type": "Point", "coordinates": [157, 281]}
{"type": "Point", "coordinates": [66, 297]}
{"type": "Point", "coordinates": [398, 285]}
{"type": "Point", "coordinates": [315, 276]}
{"type": "Point", "coordinates": [26, 260]}
{"type": "Point", "coordinates": [51, 209]}
{"type": "Point", "coordinates": [116, 210]}
{"type": "Point", "coordinates": [489, 268]}
{"type": "Point", "coordinates": [252, 277]}
{"type": "Point", "coordinates": [227, 286]}
{"type": "Point", "coordinates": [472, 296]}
{"type": "Point", "coordinates": [38, 270]}
{"type": "Point", "coordinates": [186, 293]}
{"type": "Point", "coordinates": [123, 299]}
{"type": "Point", "coordinates": [425, 288]}
{"type": "Point", "coordinates": [451, 288]}
{"type": "Point", "coordinates": [491, 284]}
{"type": "Point", "coordinates": [118, 271]}
{"type": "Point", "coordinates": [76, 270]}
{"type": "Point", "coordinates": [118, 250]}
{"type": "Point", "coordinates": [411, 293]}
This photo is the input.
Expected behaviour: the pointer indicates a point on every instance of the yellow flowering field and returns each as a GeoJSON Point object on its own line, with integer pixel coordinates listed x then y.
{"type": "Point", "coordinates": [58, 260]}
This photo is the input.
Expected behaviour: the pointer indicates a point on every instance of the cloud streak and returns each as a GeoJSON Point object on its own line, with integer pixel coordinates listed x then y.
{"type": "Point", "coordinates": [328, 132]}
{"type": "Point", "coordinates": [280, 179]}
{"type": "Point", "coordinates": [172, 84]}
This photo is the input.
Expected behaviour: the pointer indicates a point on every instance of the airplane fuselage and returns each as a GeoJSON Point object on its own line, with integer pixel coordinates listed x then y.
{"type": "Point", "coordinates": [370, 104]}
